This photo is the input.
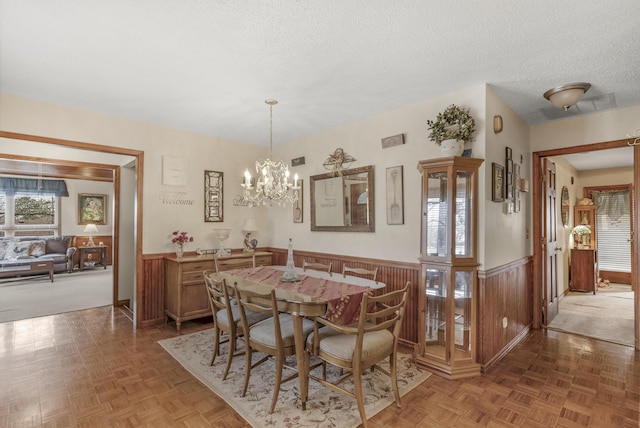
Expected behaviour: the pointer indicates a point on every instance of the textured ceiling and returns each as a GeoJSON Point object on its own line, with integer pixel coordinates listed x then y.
{"type": "Point", "coordinates": [207, 66]}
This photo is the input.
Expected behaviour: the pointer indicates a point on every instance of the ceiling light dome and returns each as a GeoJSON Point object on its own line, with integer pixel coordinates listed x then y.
{"type": "Point", "coordinates": [567, 95]}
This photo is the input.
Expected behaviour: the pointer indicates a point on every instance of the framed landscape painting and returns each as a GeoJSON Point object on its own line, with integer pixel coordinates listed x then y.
{"type": "Point", "coordinates": [92, 208]}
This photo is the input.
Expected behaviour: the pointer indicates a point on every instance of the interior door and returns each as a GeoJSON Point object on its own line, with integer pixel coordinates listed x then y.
{"type": "Point", "coordinates": [549, 238]}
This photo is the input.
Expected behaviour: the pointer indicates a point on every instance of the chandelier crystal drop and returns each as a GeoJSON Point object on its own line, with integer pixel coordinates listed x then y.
{"type": "Point", "coordinates": [273, 186]}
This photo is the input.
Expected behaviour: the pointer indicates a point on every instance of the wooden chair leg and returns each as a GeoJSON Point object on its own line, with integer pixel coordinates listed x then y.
{"type": "Point", "coordinates": [247, 369]}
{"type": "Point", "coordinates": [216, 345]}
{"type": "Point", "coordinates": [232, 348]}
{"type": "Point", "coordinates": [276, 388]}
{"type": "Point", "coordinates": [357, 385]}
{"type": "Point", "coordinates": [394, 378]}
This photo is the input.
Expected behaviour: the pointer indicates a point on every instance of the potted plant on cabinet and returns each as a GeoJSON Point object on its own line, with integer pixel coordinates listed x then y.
{"type": "Point", "coordinates": [452, 129]}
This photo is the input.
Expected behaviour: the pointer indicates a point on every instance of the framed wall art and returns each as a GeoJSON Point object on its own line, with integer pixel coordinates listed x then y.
{"type": "Point", "coordinates": [497, 182]}
{"type": "Point", "coordinates": [297, 206]}
{"type": "Point", "coordinates": [173, 171]}
{"type": "Point", "coordinates": [395, 205]}
{"type": "Point", "coordinates": [92, 208]}
{"type": "Point", "coordinates": [213, 196]}
{"type": "Point", "coordinates": [395, 140]}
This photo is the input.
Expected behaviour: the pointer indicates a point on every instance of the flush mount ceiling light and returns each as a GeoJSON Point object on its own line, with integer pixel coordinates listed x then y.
{"type": "Point", "coordinates": [567, 95]}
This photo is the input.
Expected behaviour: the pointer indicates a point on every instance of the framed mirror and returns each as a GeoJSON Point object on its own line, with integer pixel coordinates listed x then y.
{"type": "Point", "coordinates": [564, 206]}
{"type": "Point", "coordinates": [343, 203]}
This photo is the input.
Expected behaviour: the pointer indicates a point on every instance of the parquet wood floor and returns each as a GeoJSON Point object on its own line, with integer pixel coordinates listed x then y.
{"type": "Point", "coordinates": [91, 369]}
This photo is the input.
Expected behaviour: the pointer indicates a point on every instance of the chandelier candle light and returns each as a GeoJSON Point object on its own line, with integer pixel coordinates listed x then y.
{"type": "Point", "coordinates": [273, 185]}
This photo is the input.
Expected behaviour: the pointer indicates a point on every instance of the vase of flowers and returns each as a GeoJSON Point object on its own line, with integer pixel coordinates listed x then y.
{"type": "Point", "coordinates": [180, 238]}
{"type": "Point", "coordinates": [452, 129]}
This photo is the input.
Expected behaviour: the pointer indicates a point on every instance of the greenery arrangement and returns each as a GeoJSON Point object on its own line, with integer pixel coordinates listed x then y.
{"type": "Point", "coordinates": [453, 123]}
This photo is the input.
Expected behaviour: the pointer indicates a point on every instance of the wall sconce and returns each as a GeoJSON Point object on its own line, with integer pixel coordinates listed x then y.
{"type": "Point", "coordinates": [567, 95]}
{"type": "Point", "coordinates": [497, 124]}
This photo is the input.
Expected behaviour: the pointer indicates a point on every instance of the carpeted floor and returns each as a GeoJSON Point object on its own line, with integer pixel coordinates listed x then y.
{"type": "Point", "coordinates": [607, 315]}
{"type": "Point", "coordinates": [325, 408]}
{"type": "Point", "coordinates": [36, 296]}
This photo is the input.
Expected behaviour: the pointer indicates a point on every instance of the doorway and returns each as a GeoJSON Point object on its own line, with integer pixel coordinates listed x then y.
{"type": "Point", "coordinates": [539, 234]}
{"type": "Point", "coordinates": [82, 150]}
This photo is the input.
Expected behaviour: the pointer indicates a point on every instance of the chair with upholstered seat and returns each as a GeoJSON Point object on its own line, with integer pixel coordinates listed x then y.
{"type": "Point", "coordinates": [226, 317]}
{"type": "Point", "coordinates": [316, 266]}
{"type": "Point", "coordinates": [372, 274]}
{"type": "Point", "coordinates": [357, 348]}
{"type": "Point", "coordinates": [274, 336]}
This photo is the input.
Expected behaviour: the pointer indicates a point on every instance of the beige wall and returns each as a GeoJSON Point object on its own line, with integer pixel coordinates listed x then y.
{"type": "Point", "coordinates": [198, 152]}
{"type": "Point", "coordinates": [604, 177]}
{"type": "Point", "coordinates": [504, 235]}
{"type": "Point", "coordinates": [362, 140]}
{"type": "Point", "coordinates": [587, 129]}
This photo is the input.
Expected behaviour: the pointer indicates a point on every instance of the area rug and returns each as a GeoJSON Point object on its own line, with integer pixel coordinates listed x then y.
{"type": "Point", "coordinates": [37, 296]}
{"type": "Point", "coordinates": [325, 408]}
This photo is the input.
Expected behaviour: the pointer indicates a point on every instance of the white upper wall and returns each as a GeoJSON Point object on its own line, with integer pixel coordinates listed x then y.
{"type": "Point", "coordinates": [593, 128]}
{"type": "Point", "coordinates": [198, 153]}
{"type": "Point", "coordinates": [362, 140]}
{"type": "Point", "coordinates": [505, 236]}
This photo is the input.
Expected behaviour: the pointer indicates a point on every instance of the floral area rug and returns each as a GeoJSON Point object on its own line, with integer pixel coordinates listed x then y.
{"type": "Point", "coordinates": [325, 408]}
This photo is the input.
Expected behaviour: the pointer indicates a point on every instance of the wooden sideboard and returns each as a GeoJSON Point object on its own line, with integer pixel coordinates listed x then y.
{"type": "Point", "coordinates": [584, 270]}
{"type": "Point", "coordinates": [185, 295]}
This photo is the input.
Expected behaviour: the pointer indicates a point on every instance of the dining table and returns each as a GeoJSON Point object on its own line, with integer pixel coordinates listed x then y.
{"type": "Point", "coordinates": [314, 294]}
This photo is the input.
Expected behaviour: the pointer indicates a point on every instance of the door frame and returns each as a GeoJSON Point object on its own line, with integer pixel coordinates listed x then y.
{"type": "Point", "coordinates": [538, 225]}
{"type": "Point", "coordinates": [139, 161]}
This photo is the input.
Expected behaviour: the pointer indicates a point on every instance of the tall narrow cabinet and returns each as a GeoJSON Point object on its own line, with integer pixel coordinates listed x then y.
{"type": "Point", "coordinates": [448, 267]}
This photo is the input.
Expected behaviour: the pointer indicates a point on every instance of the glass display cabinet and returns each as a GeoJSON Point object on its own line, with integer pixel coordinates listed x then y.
{"type": "Point", "coordinates": [584, 215]}
{"type": "Point", "coordinates": [448, 265]}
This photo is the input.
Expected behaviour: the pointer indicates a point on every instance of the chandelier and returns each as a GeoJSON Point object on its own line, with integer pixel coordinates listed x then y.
{"type": "Point", "coordinates": [272, 185]}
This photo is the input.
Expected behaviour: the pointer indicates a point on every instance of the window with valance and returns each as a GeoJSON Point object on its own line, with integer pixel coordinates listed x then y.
{"type": "Point", "coordinates": [30, 207]}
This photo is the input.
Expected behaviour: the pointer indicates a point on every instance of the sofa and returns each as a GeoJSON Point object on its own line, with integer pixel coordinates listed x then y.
{"type": "Point", "coordinates": [16, 250]}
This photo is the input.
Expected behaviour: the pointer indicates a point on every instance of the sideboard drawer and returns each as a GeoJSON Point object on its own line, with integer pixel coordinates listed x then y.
{"type": "Point", "coordinates": [198, 266]}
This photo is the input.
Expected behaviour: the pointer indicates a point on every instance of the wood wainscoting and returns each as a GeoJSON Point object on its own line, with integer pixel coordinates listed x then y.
{"type": "Point", "coordinates": [393, 274]}
{"type": "Point", "coordinates": [505, 291]}
{"type": "Point", "coordinates": [505, 309]}
{"type": "Point", "coordinates": [152, 304]}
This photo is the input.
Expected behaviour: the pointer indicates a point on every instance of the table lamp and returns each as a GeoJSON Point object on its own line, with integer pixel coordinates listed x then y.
{"type": "Point", "coordinates": [249, 227]}
{"type": "Point", "coordinates": [91, 229]}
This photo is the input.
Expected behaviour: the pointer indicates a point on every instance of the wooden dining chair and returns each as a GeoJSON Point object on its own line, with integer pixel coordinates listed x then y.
{"type": "Point", "coordinates": [274, 336]}
{"type": "Point", "coordinates": [372, 274]}
{"type": "Point", "coordinates": [316, 266]}
{"type": "Point", "coordinates": [226, 317]}
{"type": "Point", "coordinates": [357, 348]}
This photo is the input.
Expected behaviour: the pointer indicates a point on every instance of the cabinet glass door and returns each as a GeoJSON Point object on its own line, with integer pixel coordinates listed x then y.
{"type": "Point", "coordinates": [463, 295]}
{"type": "Point", "coordinates": [437, 206]}
{"type": "Point", "coordinates": [463, 215]}
{"type": "Point", "coordinates": [436, 297]}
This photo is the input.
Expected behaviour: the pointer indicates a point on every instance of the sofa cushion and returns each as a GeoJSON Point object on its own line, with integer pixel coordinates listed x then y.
{"type": "Point", "coordinates": [37, 248]}
{"type": "Point", "coordinates": [20, 249]}
{"type": "Point", "coordinates": [57, 244]}
{"type": "Point", "coordinates": [6, 246]}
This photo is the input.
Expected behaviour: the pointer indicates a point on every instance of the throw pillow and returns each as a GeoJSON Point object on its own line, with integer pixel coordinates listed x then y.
{"type": "Point", "coordinates": [4, 246]}
{"type": "Point", "coordinates": [57, 244]}
{"type": "Point", "coordinates": [21, 248]}
{"type": "Point", "coordinates": [37, 248]}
